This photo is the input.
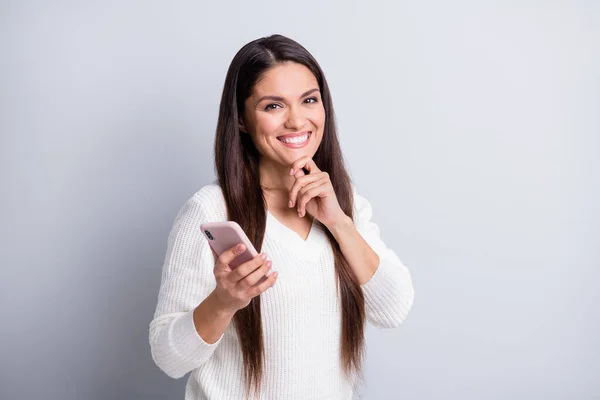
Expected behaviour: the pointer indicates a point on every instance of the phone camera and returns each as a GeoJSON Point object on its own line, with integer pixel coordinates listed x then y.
{"type": "Point", "coordinates": [209, 235]}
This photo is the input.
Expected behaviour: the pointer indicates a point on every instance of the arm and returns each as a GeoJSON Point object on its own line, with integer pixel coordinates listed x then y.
{"type": "Point", "coordinates": [184, 306]}
{"type": "Point", "coordinates": [211, 319]}
{"type": "Point", "coordinates": [385, 281]}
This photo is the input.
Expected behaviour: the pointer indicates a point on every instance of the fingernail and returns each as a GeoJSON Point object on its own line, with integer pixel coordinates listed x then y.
{"type": "Point", "coordinates": [292, 171]}
{"type": "Point", "coordinates": [290, 203]}
{"type": "Point", "coordinates": [240, 247]}
{"type": "Point", "coordinates": [269, 263]}
{"type": "Point", "coordinates": [263, 256]}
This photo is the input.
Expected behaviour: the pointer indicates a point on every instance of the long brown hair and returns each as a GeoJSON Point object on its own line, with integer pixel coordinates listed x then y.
{"type": "Point", "coordinates": [237, 160]}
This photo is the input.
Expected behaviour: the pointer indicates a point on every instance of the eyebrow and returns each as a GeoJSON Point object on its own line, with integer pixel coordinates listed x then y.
{"type": "Point", "coordinates": [277, 98]}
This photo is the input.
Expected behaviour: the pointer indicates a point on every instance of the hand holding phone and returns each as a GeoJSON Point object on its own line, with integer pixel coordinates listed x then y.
{"type": "Point", "coordinates": [240, 275]}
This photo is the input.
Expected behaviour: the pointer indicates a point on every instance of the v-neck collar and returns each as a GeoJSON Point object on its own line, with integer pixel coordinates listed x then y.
{"type": "Point", "coordinates": [310, 248]}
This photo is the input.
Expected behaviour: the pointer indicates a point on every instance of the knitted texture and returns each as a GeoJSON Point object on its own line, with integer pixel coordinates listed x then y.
{"type": "Point", "coordinates": [301, 313]}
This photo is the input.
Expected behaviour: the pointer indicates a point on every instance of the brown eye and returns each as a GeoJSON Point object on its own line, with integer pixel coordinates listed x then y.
{"type": "Point", "coordinates": [314, 100]}
{"type": "Point", "coordinates": [268, 107]}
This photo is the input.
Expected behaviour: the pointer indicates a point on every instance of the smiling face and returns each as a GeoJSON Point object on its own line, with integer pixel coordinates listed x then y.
{"type": "Point", "coordinates": [284, 115]}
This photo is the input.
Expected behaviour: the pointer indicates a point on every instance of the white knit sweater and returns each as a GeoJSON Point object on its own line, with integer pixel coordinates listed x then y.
{"type": "Point", "coordinates": [301, 313]}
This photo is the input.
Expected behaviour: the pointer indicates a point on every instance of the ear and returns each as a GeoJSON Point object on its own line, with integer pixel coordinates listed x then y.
{"type": "Point", "coordinates": [242, 126]}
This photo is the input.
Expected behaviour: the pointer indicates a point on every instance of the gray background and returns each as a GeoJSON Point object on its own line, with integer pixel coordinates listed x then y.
{"type": "Point", "coordinates": [472, 127]}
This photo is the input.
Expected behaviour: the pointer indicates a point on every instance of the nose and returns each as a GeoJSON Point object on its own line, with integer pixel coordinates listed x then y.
{"type": "Point", "coordinates": [295, 119]}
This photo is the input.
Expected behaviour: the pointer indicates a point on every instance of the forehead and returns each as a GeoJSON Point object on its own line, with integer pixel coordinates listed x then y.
{"type": "Point", "coordinates": [286, 79]}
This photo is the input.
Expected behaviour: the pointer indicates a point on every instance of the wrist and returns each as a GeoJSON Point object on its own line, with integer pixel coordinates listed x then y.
{"type": "Point", "coordinates": [221, 309]}
{"type": "Point", "coordinates": [341, 225]}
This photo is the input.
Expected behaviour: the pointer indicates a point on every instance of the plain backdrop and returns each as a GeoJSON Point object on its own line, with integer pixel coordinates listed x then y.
{"type": "Point", "coordinates": [471, 126]}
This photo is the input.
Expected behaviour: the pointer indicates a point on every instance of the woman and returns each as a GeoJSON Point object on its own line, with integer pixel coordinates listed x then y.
{"type": "Point", "coordinates": [300, 333]}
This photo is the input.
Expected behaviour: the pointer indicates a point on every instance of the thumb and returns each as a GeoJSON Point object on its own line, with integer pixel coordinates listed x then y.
{"type": "Point", "coordinates": [219, 267]}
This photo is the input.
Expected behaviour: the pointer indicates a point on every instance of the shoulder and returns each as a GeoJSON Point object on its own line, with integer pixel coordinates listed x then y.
{"type": "Point", "coordinates": [359, 201]}
{"type": "Point", "coordinates": [208, 203]}
{"type": "Point", "coordinates": [209, 194]}
{"type": "Point", "coordinates": [362, 208]}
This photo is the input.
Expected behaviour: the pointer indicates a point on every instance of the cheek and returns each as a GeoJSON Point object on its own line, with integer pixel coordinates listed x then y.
{"type": "Point", "coordinates": [318, 117]}
{"type": "Point", "coordinates": [267, 123]}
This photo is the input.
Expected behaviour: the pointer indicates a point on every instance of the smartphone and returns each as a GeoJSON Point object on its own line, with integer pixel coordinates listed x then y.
{"type": "Point", "coordinates": [224, 235]}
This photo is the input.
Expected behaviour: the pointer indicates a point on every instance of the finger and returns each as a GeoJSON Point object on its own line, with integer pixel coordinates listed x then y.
{"type": "Point", "coordinates": [264, 285]}
{"type": "Point", "coordinates": [246, 268]}
{"type": "Point", "coordinates": [308, 192]}
{"type": "Point", "coordinates": [219, 269]}
{"type": "Point", "coordinates": [305, 162]}
{"type": "Point", "coordinates": [297, 165]}
{"type": "Point", "coordinates": [230, 254]}
{"type": "Point", "coordinates": [301, 197]}
{"type": "Point", "coordinates": [299, 184]}
{"type": "Point", "coordinates": [255, 276]}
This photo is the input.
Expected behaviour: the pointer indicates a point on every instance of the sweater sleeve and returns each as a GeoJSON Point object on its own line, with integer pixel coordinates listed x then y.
{"type": "Point", "coordinates": [389, 294]}
{"type": "Point", "coordinates": [187, 279]}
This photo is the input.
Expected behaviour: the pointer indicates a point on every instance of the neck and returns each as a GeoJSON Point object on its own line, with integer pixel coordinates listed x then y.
{"type": "Point", "coordinates": [276, 183]}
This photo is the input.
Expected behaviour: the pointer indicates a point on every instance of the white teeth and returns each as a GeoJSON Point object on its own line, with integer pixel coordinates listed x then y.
{"type": "Point", "coordinates": [296, 140]}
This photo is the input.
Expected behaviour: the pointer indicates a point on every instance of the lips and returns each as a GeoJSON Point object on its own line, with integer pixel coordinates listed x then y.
{"type": "Point", "coordinates": [293, 135]}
